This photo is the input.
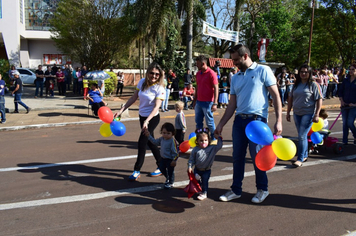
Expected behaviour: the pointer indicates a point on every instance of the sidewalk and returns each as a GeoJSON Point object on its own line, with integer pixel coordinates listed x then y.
{"type": "Point", "coordinates": [61, 111]}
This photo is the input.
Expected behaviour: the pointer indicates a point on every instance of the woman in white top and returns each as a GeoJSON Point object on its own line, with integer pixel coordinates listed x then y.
{"type": "Point", "coordinates": [151, 92]}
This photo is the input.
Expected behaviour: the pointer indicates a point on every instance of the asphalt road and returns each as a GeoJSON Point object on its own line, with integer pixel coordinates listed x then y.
{"type": "Point", "coordinates": [90, 194]}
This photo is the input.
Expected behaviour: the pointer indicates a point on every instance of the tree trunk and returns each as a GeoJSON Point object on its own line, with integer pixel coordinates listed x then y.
{"type": "Point", "coordinates": [143, 55]}
{"type": "Point", "coordinates": [189, 34]}
{"type": "Point", "coordinates": [236, 27]}
{"type": "Point", "coordinates": [139, 57]}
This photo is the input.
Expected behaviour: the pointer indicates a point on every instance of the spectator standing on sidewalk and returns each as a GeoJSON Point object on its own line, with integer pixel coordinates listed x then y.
{"type": "Point", "coordinates": [175, 85]}
{"type": "Point", "coordinates": [78, 73]}
{"type": "Point", "coordinates": [61, 82]}
{"type": "Point", "coordinates": [39, 81]}
{"type": "Point", "coordinates": [120, 83]}
{"type": "Point", "coordinates": [75, 81]}
{"type": "Point", "coordinates": [2, 100]}
{"type": "Point", "coordinates": [206, 95]}
{"type": "Point", "coordinates": [49, 77]}
{"type": "Point", "coordinates": [249, 101]}
{"type": "Point", "coordinates": [17, 93]}
{"type": "Point", "coordinates": [187, 78]}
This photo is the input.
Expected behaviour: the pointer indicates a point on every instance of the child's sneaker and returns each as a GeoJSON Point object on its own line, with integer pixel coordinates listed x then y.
{"type": "Point", "coordinates": [135, 175]}
{"type": "Point", "coordinates": [156, 173]}
{"type": "Point", "coordinates": [202, 196]}
{"type": "Point", "coordinates": [197, 177]}
{"type": "Point", "coordinates": [168, 185]}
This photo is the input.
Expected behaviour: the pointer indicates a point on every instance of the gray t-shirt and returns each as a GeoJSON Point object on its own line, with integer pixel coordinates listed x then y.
{"type": "Point", "coordinates": [203, 158]}
{"type": "Point", "coordinates": [169, 148]}
{"type": "Point", "coordinates": [305, 97]}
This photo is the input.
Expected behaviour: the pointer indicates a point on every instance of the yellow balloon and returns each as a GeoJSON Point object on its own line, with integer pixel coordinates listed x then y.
{"type": "Point", "coordinates": [284, 148]}
{"type": "Point", "coordinates": [318, 126]}
{"type": "Point", "coordinates": [192, 141]}
{"type": "Point", "coordinates": [105, 130]}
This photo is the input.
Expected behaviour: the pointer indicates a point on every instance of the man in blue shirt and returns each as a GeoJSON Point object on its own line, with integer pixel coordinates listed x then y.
{"type": "Point", "coordinates": [249, 101]}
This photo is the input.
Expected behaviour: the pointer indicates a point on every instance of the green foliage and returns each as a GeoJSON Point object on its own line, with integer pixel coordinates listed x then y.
{"type": "Point", "coordinates": [4, 69]}
{"type": "Point", "coordinates": [110, 84]}
{"type": "Point", "coordinates": [91, 31]}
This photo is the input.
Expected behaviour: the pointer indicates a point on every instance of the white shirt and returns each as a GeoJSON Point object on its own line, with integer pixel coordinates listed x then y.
{"type": "Point", "coordinates": [148, 97]}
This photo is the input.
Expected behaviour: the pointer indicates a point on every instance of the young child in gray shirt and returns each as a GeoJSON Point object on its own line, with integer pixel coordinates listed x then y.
{"type": "Point", "coordinates": [202, 157]}
{"type": "Point", "coordinates": [169, 152]}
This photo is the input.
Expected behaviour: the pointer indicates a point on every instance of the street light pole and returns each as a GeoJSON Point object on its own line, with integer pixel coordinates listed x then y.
{"type": "Point", "coordinates": [311, 31]}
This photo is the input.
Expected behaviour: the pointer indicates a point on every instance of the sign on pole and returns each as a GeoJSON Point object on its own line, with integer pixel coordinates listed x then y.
{"type": "Point", "coordinates": [210, 30]}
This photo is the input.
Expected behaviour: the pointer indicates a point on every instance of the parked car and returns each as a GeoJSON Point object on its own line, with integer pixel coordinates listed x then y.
{"type": "Point", "coordinates": [27, 76]}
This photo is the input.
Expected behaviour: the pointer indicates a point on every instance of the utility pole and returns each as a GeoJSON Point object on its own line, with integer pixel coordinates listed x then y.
{"type": "Point", "coordinates": [311, 30]}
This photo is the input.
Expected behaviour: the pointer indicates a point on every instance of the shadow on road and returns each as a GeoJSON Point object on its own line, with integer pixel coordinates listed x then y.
{"type": "Point", "coordinates": [115, 143]}
{"type": "Point", "coordinates": [53, 114]}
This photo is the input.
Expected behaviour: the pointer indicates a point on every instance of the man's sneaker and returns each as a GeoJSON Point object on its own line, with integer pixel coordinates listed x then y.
{"type": "Point", "coordinates": [260, 196]}
{"type": "Point", "coordinates": [28, 110]}
{"type": "Point", "coordinates": [3, 122]}
{"type": "Point", "coordinates": [202, 196]}
{"type": "Point", "coordinates": [228, 196]}
{"type": "Point", "coordinates": [135, 175]}
{"type": "Point", "coordinates": [156, 173]}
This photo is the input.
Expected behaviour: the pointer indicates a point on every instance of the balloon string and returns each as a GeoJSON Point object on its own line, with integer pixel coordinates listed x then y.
{"type": "Point", "coordinates": [335, 121]}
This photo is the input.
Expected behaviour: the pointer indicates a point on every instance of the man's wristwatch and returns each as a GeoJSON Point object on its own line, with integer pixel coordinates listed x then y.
{"type": "Point", "coordinates": [215, 104]}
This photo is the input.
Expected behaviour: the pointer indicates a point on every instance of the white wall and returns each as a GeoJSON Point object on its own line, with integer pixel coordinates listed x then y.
{"type": "Point", "coordinates": [36, 50]}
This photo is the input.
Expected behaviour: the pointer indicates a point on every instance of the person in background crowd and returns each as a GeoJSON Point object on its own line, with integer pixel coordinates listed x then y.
{"type": "Point", "coordinates": [150, 92]}
{"type": "Point", "coordinates": [306, 101]}
{"type": "Point", "coordinates": [224, 86]}
{"type": "Point", "coordinates": [187, 78]}
{"type": "Point", "coordinates": [2, 100]}
{"type": "Point", "coordinates": [67, 78]}
{"type": "Point", "coordinates": [84, 71]}
{"type": "Point", "coordinates": [281, 82]}
{"type": "Point", "coordinates": [80, 81]}
{"type": "Point", "coordinates": [216, 68]}
{"type": "Point", "coordinates": [101, 86]}
{"type": "Point", "coordinates": [232, 72]}
{"type": "Point", "coordinates": [49, 77]}
{"type": "Point", "coordinates": [75, 81]}
{"type": "Point", "coordinates": [175, 85]}
{"type": "Point", "coordinates": [60, 82]}
{"type": "Point", "coordinates": [325, 78]}
{"type": "Point", "coordinates": [54, 69]}
{"type": "Point", "coordinates": [39, 81]}
{"type": "Point", "coordinates": [188, 95]}
{"type": "Point", "coordinates": [120, 83]}
{"type": "Point", "coordinates": [17, 93]}
{"type": "Point", "coordinates": [347, 97]}
{"type": "Point", "coordinates": [206, 95]}
{"type": "Point", "coordinates": [168, 85]}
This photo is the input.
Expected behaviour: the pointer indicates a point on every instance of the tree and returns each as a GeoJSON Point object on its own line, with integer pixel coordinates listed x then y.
{"type": "Point", "coordinates": [91, 31]}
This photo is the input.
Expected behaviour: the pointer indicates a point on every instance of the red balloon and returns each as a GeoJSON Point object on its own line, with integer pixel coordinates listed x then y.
{"type": "Point", "coordinates": [105, 114]}
{"type": "Point", "coordinates": [184, 146]}
{"type": "Point", "coordinates": [265, 158]}
{"type": "Point", "coordinates": [310, 132]}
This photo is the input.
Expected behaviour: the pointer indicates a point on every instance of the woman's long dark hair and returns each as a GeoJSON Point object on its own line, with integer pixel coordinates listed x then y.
{"type": "Point", "coordinates": [298, 80]}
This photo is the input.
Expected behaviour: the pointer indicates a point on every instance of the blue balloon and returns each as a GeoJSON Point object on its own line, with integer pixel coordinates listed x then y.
{"type": "Point", "coordinates": [259, 133]}
{"type": "Point", "coordinates": [316, 138]}
{"type": "Point", "coordinates": [191, 135]}
{"type": "Point", "coordinates": [117, 128]}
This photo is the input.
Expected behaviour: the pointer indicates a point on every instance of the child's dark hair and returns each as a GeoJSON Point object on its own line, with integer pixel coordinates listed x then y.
{"type": "Point", "coordinates": [323, 114]}
{"type": "Point", "coordinates": [169, 127]}
{"type": "Point", "coordinates": [200, 132]}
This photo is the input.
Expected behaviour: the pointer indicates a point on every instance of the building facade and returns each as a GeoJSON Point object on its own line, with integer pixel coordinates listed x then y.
{"type": "Point", "coordinates": [25, 39]}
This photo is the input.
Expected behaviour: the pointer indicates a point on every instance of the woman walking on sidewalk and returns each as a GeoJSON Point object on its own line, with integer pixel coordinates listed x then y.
{"type": "Point", "coordinates": [151, 92]}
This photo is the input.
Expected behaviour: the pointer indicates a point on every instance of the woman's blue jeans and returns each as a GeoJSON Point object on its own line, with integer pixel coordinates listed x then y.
{"type": "Point", "coordinates": [203, 110]}
{"type": "Point", "coordinates": [348, 122]}
{"type": "Point", "coordinates": [303, 124]}
{"type": "Point", "coordinates": [240, 143]}
{"type": "Point", "coordinates": [164, 105]}
{"type": "Point", "coordinates": [282, 92]}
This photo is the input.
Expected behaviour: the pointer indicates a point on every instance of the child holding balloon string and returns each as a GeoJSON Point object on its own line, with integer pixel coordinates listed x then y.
{"type": "Point", "coordinates": [202, 157]}
{"type": "Point", "coordinates": [168, 151]}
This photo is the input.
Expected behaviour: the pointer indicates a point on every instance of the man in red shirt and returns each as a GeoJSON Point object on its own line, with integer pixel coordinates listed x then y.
{"type": "Point", "coordinates": [206, 95]}
{"type": "Point", "coordinates": [188, 95]}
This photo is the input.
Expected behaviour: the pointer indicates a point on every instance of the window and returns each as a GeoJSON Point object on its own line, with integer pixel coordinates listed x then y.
{"type": "Point", "coordinates": [24, 72]}
{"type": "Point", "coordinates": [38, 13]}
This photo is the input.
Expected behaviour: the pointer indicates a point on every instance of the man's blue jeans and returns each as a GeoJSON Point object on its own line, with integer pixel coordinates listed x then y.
{"type": "Point", "coordinates": [348, 120]}
{"type": "Point", "coordinates": [303, 124]}
{"type": "Point", "coordinates": [2, 108]}
{"type": "Point", "coordinates": [186, 100]}
{"type": "Point", "coordinates": [164, 105]}
{"type": "Point", "coordinates": [240, 143]}
{"type": "Point", "coordinates": [17, 100]}
{"type": "Point", "coordinates": [203, 109]}
{"type": "Point", "coordinates": [39, 85]}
